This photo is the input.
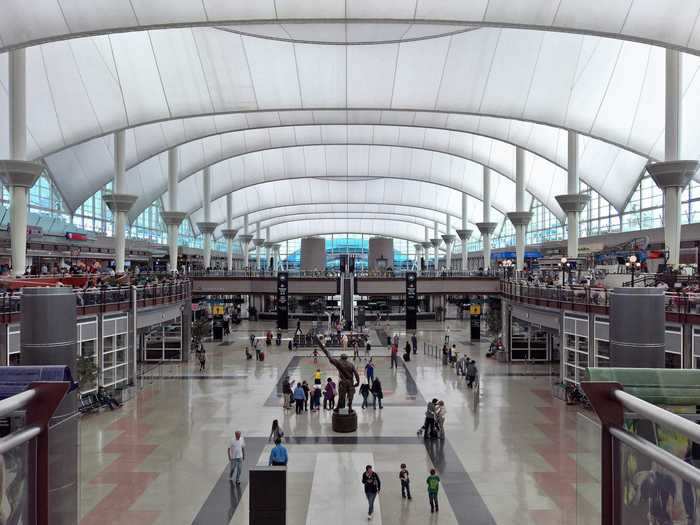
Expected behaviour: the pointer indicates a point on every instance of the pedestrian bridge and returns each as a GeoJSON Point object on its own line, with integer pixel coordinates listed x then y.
{"type": "Point", "coordinates": [325, 284]}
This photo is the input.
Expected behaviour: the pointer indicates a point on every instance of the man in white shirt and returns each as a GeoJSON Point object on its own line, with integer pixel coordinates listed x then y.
{"type": "Point", "coordinates": [236, 455]}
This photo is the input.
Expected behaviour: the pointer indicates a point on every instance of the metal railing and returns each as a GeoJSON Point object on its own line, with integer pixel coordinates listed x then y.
{"type": "Point", "coordinates": [610, 403]}
{"type": "Point", "coordinates": [331, 274]}
{"type": "Point", "coordinates": [39, 403]}
{"type": "Point", "coordinates": [576, 297]}
{"type": "Point", "coordinates": [259, 274]}
{"type": "Point", "coordinates": [431, 350]}
{"type": "Point", "coordinates": [107, 298]}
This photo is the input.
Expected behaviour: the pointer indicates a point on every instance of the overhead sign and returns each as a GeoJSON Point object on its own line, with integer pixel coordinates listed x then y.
{"type": "Point", "coordinates": [475, 309]}
{"type": "Point", "coordinates": [73, 236]}
{"type": "Point", "coordinates": [411, 300]}
{"type": "Point", "coordinates": [282, 300]}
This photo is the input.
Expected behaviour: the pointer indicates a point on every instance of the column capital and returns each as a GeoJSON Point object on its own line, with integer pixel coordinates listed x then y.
{"type": "Point", "coordinates": [464, 234]}
{"type": "Point", "coordinates": [258, 242]}
{"type": "Point", "coordinates": [519, 218]}
{"type": "Point", "coordinates": [435, 243]}
{"type": "Point", "coordinates": [426, 245]}
{"type": "Point", "coordinates": [119, 202]}
{"type": "Point", "coordinates": [20, 172]}
{"type": "Point", "coordinates": [573, 202]}
{"type": "Point", "coordinates": [486, 228]}
{"type": "Point", "coordinates": [449, 239]}
{"type": "Point", "coordinates": [207, 227]}
{"type": "Point", "coordinates": [173, 218]}
{"type": "Point", "coordinates": [418, 247]}
{"type": "Point", "coordinates": [268, 244]}
{"type": "Point", "coordinates": [245, 239]}
{"type": "Point", "coordinates": [674, 173]}
{"type": "Point", "coordinates": [229, 234]}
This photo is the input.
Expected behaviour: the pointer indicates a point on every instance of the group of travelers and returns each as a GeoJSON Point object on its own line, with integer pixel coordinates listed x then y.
{"type": "Point", "coordinates": [305, 397]}
{"type": "Point", "coordinates": [434, 423]}
{"type": "Point", "coordinates": [371, 385]}
{"type": "Point", "coordinates": [463, 365]}
{"type": "Point", "coordinates": [373, 485]}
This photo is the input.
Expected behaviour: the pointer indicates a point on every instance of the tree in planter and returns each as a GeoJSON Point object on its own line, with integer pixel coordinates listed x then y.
{"type": "Point", "coordinates": [87, 373]}
{"type": "Point", "coordinates": [493, 315]}
{"type": "Point", "coordinates": [293, 304]}
{"type": "Point", "coordinates": [201, 328]}
{"type": "Point", "coordinates": [439, 313]}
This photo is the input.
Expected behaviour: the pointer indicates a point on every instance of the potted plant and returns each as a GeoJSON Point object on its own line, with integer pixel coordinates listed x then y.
{"type": "Point", "coordinates": [87, 372]}
{"type": "Point", "coordinates": [439, 313]}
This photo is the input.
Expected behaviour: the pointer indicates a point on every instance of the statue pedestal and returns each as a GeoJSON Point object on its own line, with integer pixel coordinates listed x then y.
{"type": "Point", "coordinates": [344, 422]}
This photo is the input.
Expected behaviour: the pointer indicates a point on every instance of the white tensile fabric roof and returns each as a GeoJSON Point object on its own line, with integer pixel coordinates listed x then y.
{"type": "Point", "coordinates": [267, 91]}
{"type": "Point", "coordinates": [671, 22]}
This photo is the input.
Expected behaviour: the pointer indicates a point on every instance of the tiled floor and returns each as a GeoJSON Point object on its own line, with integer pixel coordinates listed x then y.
{"type": "Point", "coordinates": [510, 455]}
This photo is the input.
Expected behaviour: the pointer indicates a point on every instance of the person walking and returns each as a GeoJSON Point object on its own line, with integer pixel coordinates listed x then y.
{"type": "Point", "coordinates": [405, 482]}
{"type": "Point", "coordinates": [202, 359]}
{"type": "Point", "coordinates": [317, 377]}
{"type": "Point", "coordinates": [368, 350]}
{"type": "Point", "coordinates": [373, 485]}
{"type": "Point", "coordinates": [355, 350]}
{"type": "Point", "coordinates": [429, 424]}
{"type": "Point", "coordinates": [369, 371]}
{"type": "Point", "coordinates": [278, 455]}
{"type": "Point", "coordinates": [316, 398]}
{"type": "Point", "coordinates": [286, 392]}
{"type": "Point", "coordinates": [472, 372]}
{"type": "Point", "coordinates": [276, 432]}
{"type": "Point", "coordinates": [433, 482]}
{"type": "Point", "coordinates": [364, 392]}
{"type": "Point", "coordinates": [377, 393]}
{"type": "Point", "coordinates": [236, 456]}
{"type": "Point", "coordinates": [329, 395]}
{"type": "Point", "coordinates": [440, 415]}
{"type": "Point", "coordinates": [307, 391]}
{"type": "Point", "coordinates": [299, 398]}
{"type": "Point", "coordinates": [395, 356]}
{"type": "Point", "coordinates": [258, 350]}
{"type": "Point", "coordinates": [414, 343]}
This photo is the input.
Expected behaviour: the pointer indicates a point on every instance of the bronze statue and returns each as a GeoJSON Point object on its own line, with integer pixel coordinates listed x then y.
{"type": "Point", "coordinates": [346, 372]}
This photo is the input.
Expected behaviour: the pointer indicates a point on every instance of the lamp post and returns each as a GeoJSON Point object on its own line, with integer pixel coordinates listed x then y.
{"type": "Point", "coordinates": [507, 267]}
{"type": "Point", "coordinates": [632, 265]}
{"type": "Point", "coordinates": [564, 267]}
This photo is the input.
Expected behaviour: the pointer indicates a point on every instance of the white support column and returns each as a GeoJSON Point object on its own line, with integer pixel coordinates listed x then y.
{"type": "Point", "coordinates": [674, 174]}
{"type": "Point", "coordinates": [18, 174]}
{"type": "Point", "coordinates": [486, 227]}
{"type": "Point", "coordinates": [245, 242]}
{"type": "Point", "coordinates": [449, 239]}
{"type": "Point", "coordinates": [258, 241]}
{"type": "Point", "coordinates": [119, 202]}
{"type": "Point", "coordinates": [464, 233]}
{"type": "Point", "coordinates": [206, 227]}
{"type": "Point", "coordinates": [572, 202]}
{"type": "Point", "coordinates": [172, 218]}
{"type": "Point", "coordinates": [436, 242]}
{"type": "Point", "coordinates": [573, 187]}
{"type": "Point", "coordinates": [520, 218]}
{"type": "Point", "coordinates": [268, 247]}
{"type": "Point", "coordinates": [229, 226]}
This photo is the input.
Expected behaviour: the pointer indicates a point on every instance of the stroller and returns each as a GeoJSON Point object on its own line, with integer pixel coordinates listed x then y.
{"type": "Point", "coordinates": [435, 433]}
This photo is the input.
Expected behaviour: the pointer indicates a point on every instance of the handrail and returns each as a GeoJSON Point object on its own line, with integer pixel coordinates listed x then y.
{"type": "Point", "coordinates": [676, 465]}
{"type": "Point", "coordinates": [20, 437]}
{"type": "Point", "coordinates": [16, 402]}
{"type": "Point", "coordinates": [659, 415]}
{"type": "Point", "coordinates": [609, 401]}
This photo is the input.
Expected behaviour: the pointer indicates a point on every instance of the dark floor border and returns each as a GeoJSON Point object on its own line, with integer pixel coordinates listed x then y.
{"type": "Point", "coordinates": [465, 500]}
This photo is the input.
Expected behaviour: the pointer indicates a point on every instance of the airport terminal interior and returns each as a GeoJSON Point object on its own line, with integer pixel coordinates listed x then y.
{"type": "Point", "coordinates": [349, 261]}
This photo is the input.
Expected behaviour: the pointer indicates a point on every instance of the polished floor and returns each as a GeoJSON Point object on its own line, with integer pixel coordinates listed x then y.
{"type": "Point", "coordinates": [512, 454]}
